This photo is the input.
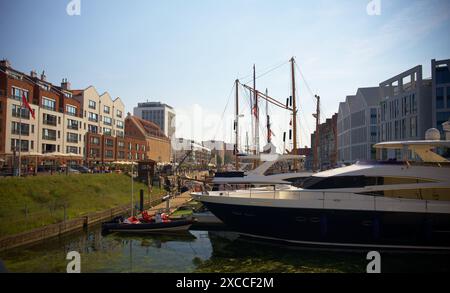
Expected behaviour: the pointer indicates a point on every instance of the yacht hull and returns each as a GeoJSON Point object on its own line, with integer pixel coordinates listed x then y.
{"type": "Point", "coordinates": [337, 227]}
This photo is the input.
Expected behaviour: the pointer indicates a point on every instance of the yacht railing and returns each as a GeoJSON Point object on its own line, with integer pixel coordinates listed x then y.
{"type": "Point", "coordinates": [342, 200]}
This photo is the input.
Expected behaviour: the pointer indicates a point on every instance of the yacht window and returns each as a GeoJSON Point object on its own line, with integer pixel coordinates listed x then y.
{"type": "Point", "coordinates": [357, 181]}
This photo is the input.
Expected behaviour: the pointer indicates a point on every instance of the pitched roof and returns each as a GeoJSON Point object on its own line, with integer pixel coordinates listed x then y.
{"type": "Point", "coordinates": [148, 128]}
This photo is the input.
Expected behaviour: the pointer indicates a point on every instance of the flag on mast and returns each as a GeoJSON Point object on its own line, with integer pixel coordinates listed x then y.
{"type": "Point", "coordinates": [25, 102]}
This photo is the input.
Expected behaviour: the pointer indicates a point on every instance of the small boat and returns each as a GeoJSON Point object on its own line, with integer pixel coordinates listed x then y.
{"type": "Point", "coordinates": [136, 226]}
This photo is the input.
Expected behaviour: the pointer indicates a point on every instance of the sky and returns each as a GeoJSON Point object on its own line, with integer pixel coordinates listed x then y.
{"type": "Point", "coordinates": [189, 53]}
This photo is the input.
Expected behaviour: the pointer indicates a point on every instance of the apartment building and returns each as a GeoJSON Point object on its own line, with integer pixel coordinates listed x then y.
{"type": "Point", "coordinates": [49, 131]}
{"type": "Point", "coordinates": [159, 113]}
{"type": "Point", "coordinates": [103, 121]}
{"type": "Point", "coordinates": [357, 126]}
{"type": "Point", "coordinates": [70, 126]}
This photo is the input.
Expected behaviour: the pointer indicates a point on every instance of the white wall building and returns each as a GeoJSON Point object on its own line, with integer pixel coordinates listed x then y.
{"type": "Point", "coordinates": [159, 113]}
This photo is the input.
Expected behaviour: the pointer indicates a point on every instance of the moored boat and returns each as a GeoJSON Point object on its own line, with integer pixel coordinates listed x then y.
{"type": "Point", "coordinates": [162, 227]}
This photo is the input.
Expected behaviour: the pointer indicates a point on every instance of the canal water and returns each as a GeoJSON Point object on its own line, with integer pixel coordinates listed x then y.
{"type": "Point", "coordinates": [202, 251]}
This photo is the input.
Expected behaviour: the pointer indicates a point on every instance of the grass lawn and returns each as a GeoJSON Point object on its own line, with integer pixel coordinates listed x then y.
{"type": "Point", "coordinates": [43, 198]}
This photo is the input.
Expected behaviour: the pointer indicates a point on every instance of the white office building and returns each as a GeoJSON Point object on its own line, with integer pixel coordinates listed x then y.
{"type": "Point", "coordinates": [159, 113]}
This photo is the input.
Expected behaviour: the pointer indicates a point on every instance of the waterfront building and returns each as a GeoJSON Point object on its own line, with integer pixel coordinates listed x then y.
{"type": "Point", "coordinates": [69, 126]}
{"type": "Point", "coordinates": [440, 72]}
{"type": "Point", "coordinates": [357, 129]}
{"type": "Point", "coordinates": [103, 121]}
{"type": "Point", "coordinates": [327, 150]}
{"type": "Point", "coordinates": [405, 109]}
{"type": "Point", "coordinates": [158, 146]}
{"type": "Point", "coordinates": [159, 113]}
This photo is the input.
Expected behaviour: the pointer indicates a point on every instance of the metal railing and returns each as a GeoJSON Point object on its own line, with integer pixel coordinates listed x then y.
{"type": "Point", "coordinates": [329, 200]}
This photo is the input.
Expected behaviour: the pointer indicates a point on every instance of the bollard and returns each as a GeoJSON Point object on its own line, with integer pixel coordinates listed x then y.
{"type": "Point", "coordinates": [141, 193]}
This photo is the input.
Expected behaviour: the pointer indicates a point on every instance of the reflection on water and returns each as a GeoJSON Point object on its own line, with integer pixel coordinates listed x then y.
{"type": "Point", "coordinates": [201, 251]}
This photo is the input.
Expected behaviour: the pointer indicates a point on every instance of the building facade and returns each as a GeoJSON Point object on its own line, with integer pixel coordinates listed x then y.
{"type": "Point", "coordinates": [357, 126]}
{"type": "Point", "coordinates": [159, 113]}
{"type": "Point", "coordinates": [327, 149]}
{"type": "Point", "coordinates": [440, 72]}
{"type": "Point", "coordinates": [405, 109]}
{"type": "Point", "coordinates": [103, 121]}
{"type": "Point", "coordinates": [69, 126]}
{"type": "Point", "coordinates": [158, 147]}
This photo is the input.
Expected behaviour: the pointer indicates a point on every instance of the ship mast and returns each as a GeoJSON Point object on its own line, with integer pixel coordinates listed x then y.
{"type": "Point", "coordinates": [256, 112]}
{"type": "Point", "coordinates": [316, 137]}
{"type": "Point", "coordinates": [269, 132]}
{"type": "Point", "coordinates": [294, 113]}
{"type": "Point", "coordinates": [236, 125]}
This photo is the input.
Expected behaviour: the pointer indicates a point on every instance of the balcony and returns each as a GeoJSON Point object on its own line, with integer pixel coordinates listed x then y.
{"type": "Point", "coordinates": [49, 137]}
{"type": "Point", "coordinates": [48, 108]}
{"type": "Point", "coordinates": [93, 119]}
{"type": "Point", "coordinates": [18, 132]}
{"type": "Point", "coordinates": [25, 114]}
{"type": "Point", "coordinates": [72, 126]}
{"type": "Point", "coordinates": [51, 122]}
{"type": "Point", "coordinates": [72, 140]}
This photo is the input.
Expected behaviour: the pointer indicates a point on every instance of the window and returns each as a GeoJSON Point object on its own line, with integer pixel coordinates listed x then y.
{"type": "Point", "coordinates": [48, 134]}
{"type": "Point", "coordinates": [20, 129]}
{"type": "Point", "coordinates": [16, 143]}
{"type": "Point", "coordinates": [373, 133]}
{"type": "Point", "coordinates": [16, 93]}
{"type": "Point", "coordinates": [440, 98]}
{"type": "Point", "coordinates": [448, 97]}
{"type": "Point", "coordinates": [72, 137]}
{"type": "Point", "coordinates": [109, 153]}
{"type": "Point", "coordinates": [119, 113]}
{"type": "Point", "coordinates": [72, 150]}
{"type": "Point", "coordinates": [106, 109]}
{"type": "Point", "coordinates": [121, 155]}
{"type": "Point", "coordinates": [93, 117]}
{"type": "Point", "coordinates": [71, 110]}
{"type": "Point", "coordinates": [23, 113]}
{"type": "Point", "coordinates": [48, 104]}
{"type": "Point", "coordinates": [107, 120]}
{"type": "Point", "coordinates": [120, 124]}
{"type": "Point", "coordinates": [49, 119]}
{"type": "Point", "coordinates": [72, 124]}
{"type": "Point", "coordinates": [107, 131]}
{"type": "Point", "coordinates": [109, 142]}
{"type": "Point", "coordinates": [121, 144]}
{"type": "Point", "coordinates": [442, 75]}
{"type": "Point", "coordinates": [356, 181]}
{"type": "Point", "coordinates": [92, 104]}
{"type": "Point", "coordinates": [413, 104]}
{"type": "Point", "coordinates": [94, 153]}
{"type": "Point", "coordinates": [413, 126]}
{"type": "Point", "coordinates": [48, 148]}
{"type": "Point", "coordinates": [95, 140]}
{"type": "Point", "coordinates": [119, 133]}
{"type": "Point", "coordinates": [92, 128]}
{"type": "Point", "coordinates": [373, 116]}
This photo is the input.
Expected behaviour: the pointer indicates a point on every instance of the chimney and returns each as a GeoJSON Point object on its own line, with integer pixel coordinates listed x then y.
{"type": "Point", "coordinates": [33, 73]}
{"type": "Point", "coordinates": [43, 76]}
{"type": "Point", "coordinates": [65, 85]}
{"type": "Point", "coordinates": [5, 63]}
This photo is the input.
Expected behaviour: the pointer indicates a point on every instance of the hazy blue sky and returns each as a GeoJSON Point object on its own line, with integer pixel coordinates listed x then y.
{"type": "Point", "coordinates": [190, 52]}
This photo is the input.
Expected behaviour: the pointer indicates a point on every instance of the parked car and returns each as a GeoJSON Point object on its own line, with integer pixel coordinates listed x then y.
{"type": "Point", "coordinates": [81, 169]}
